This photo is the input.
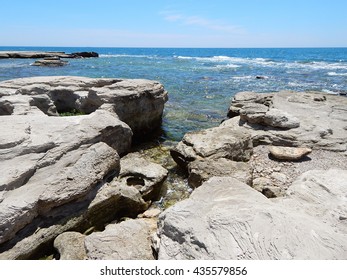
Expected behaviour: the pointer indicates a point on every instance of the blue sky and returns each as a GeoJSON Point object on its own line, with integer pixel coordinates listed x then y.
{"type": "Point", "coordinates": [176, 23]}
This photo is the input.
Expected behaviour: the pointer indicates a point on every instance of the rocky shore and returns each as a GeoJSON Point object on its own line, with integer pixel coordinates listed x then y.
{"type": "Point", "coordinates": [272, 182]}
{"type": "Point", "coordinates": [60, 148]}
{"type": "Point", "coordinates": [269, 182]}
{"type": "Point", "coordinates": [37, 54]}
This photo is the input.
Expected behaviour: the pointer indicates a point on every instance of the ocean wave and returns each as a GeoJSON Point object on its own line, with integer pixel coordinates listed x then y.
{"type": "Point", "coordinates": [227, 66]}
{"type": "Point", "coordinates": [128, 55]}
{"type": "Point", "coordinates": [318, 65]}
{"type": "Point", "coordinates": [265, 62]}
{"type": "Point", "coordinates": [240, 78]}
{"type": "Point", "coordinates": [336, 74]}
{"type": "Point", "coordinates": [231, 60]}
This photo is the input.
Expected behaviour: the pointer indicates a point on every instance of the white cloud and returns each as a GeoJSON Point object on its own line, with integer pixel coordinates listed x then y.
{"type": "Point", "coordinates": [197, 21]}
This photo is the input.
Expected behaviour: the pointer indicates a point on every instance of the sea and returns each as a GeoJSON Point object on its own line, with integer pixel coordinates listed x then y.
{"type": "Point", "coordinates": [201, 82]}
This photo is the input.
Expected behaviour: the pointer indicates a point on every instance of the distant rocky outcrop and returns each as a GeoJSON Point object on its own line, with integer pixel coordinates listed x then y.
{"type": "Point", "coordinates": [85, 54]}
{"type": "Point", "coordinates": [60, 173]}
{"type": "Point", "coordinates": [50, 61]}
{"type": "Point", "coordinates": [42, 54]}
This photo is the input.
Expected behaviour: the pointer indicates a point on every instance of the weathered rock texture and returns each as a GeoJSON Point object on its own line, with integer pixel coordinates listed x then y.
{"type": "Point", "coordinates": [202, 170]}
{"type": "Point", "coordinates": [56, 170]}
{"type": "Point", "coordinates": [213, 143]}
{"type": "Point", "coordinates": [138, 103]}
{"type": "Point", "coordinates": [128, 240]}
{"type": "Point", "coordinates": [304, 120]}
{"type": "Point", "coordinates": [288, 118]}
{"type": "Point", "coordinates": [142, 174]}
{"type": "Point", "coordinates": [70, 246]}
{"type": "Point", "coordinates": [226, 219]}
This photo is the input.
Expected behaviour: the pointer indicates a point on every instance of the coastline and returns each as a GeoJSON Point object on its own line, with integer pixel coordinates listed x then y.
{"type": "Point", "coordinates": [40, 54]}
{"type": "Point", "coordinates": [293, 119]}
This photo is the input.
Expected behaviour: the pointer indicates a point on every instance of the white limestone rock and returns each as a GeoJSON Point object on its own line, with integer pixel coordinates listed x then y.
{"type": "Point", "coordinates": [226, 219]}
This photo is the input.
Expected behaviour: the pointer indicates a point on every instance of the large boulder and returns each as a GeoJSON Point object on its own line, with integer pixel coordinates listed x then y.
{"type": "Point", "coordinates": [226, 219]}
{"type": "Point", "coordinates": [57, 170]}
{"type": "Point", "coordinates": [139, 103]}
{"type": "Point", "coordinates": [109, 202]}
{"type": "Point", "coordinates": [213, 143]}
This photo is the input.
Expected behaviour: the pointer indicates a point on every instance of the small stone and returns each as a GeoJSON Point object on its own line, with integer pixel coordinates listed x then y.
{"type": "Point", "coordinates": [277, 169]}
{"type": "Point", "coordinates": [288, 153]}
{"type": "Point", "coordinates": [150, 213]}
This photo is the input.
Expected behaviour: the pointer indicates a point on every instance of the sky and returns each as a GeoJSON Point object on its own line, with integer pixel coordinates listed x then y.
{"type": "Point", "coordinates": [175, 23]}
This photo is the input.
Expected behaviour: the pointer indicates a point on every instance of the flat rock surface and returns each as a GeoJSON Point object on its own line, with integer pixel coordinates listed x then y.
{"type": "Point", "coordinates": [310, 119]}
{"type": "Point", "coordinates": [226, 219]}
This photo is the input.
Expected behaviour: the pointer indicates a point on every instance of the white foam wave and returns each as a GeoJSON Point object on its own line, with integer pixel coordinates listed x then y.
{"type": "Point", "coordinates": [184, 57]}
{"type": "Point", "coordinates": [317, 65]}
{"type": "Point", "coordinates": [229, 59]}
{"type": "Point", "coordinates": [337, 74]}
{"type": "Point", "coordinates": [330, 91]}
{"type": "Point", "coordinates": [240, 78]}
{"type": "Point", "coordinates": [234, 62]}
{"type": "Point", "coordinates": [227, 66]}
{"type": "Point", "coordinates": [127, 55]}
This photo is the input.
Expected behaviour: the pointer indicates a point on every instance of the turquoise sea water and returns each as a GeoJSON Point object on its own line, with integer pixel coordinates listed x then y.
{"type": "Point", "coordinates": [201, 82]}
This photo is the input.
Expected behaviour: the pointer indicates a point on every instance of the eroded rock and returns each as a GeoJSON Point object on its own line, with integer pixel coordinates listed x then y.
{"type": "Point", "coordinates": [202, 170]}
{"type": "Point", "coordinates": [213, 143]}
{"type": "Point", "coordinates": [227, 219]}
{"type": "Point", "coordinates": [142, 174]}
{"type": "Point", "coordinates": [128, 240]}
{"type": "Point", "coordinates": [70, 246]}
{"type": "Point", "coordinates": [58, 169]}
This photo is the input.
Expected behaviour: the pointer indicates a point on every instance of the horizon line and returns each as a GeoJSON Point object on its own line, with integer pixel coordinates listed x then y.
{"type": "Point", "coordinates": [137, 47]}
